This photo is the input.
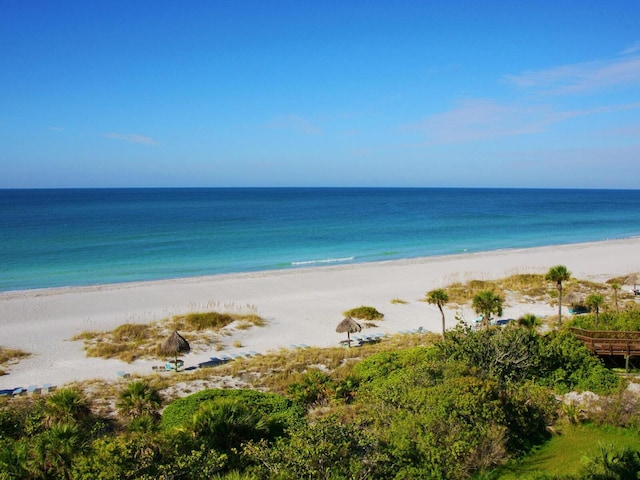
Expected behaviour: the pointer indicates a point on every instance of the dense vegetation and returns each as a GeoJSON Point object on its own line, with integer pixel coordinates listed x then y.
{"type": "Point", "coordinates": [453, 410]}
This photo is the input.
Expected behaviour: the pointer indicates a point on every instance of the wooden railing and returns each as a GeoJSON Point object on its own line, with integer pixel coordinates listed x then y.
{"type": "Point", "coordinates": [609, 342]}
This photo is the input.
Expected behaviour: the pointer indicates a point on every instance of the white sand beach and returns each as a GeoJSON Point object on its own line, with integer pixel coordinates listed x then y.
{"type": "Point", "coordinates": [301, 306]}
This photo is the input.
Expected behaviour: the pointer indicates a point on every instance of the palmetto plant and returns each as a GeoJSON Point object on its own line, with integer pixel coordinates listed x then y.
{"type": "Point", "coordinates": [139, 399]}
{"type": "Point", "coordinates": [66, 406]}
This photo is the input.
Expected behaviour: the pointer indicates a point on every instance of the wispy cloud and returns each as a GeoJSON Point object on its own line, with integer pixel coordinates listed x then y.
{"type": "Point", "coordinates": [130, 137]}
{"type": "Point", "coordinates": [473, 120]}
{"type": "Point", "coordinates": [56, 129]}
{"type": "Point", "coordinates": [293, 122]}
{"type": "Point", "coordinates": [581, 77]}
{"type": "Point", "coordinates": [631, 49]}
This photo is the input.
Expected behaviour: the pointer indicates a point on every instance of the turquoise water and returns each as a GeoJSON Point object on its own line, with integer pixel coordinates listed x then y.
{"type": "Point", "coordinates": [52, 238]}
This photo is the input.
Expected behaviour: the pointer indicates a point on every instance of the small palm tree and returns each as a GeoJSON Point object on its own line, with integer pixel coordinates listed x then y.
{"type": "Point", "coordinates": [438, 297]}
{"type": "Point", "coordinates": [616, 287]}
{"type": "Point", "coordinates": [558, 274]}
{"type": "Point", "coordinates": [139, 399]}
{"type": "Point", "coordinates": [594, 302]}
{"type": "Point", "coordinates": [487, 303]}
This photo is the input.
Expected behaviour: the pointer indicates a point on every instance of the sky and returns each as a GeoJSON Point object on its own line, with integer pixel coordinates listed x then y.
{"type": "Point", "coordinates": [404, 93]}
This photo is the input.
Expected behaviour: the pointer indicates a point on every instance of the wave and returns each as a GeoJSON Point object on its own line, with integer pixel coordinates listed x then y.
{"type": "Point", "coordinates": [326, 260]}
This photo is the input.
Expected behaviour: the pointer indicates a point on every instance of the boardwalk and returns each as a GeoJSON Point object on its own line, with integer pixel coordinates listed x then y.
{"type": "Point", "coordinates": [608, 343]}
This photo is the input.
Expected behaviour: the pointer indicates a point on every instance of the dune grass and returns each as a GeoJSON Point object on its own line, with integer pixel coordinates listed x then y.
{"type": "Point", "coordinates": [9, 356]}
{"type": "Point", "coordinates": [364, 313]}
{"type": "Point", "coordinates": [564, 454]}
{"type": "Point", "coordinates": [129, 342]}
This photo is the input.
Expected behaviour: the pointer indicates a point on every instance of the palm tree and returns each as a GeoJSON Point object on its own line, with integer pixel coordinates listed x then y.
{"type": "Point", "coordinates": [487, 303]}
{"type": "Point", "coordinates": [558, 274]}
{"type": "Point", "coordinates": [139, 399]}
{"type": "Point", "coordinates": [594, 302]}
{"type": "Point", "coordinates": [438, 297]}
{"type": "Point", "coordinates": [615, 286]}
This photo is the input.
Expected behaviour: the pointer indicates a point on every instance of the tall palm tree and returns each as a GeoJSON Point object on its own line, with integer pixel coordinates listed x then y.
{"type": "Point", "coordinates": [558, 274]}
{"type": "Point", "coordinates": [615, 286]}
{"type": "Point", "coordinates": [487, 303]}
{"type": "Point", "coordinates": [438, 297]}
{"type": "Point", "coordinates": [594, 302]}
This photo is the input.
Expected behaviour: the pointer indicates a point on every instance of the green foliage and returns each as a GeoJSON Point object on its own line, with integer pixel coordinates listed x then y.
{"type": "Point", "coordinates": [628, 320]}
{"type": "Point", "coordinates": [364, 313]}
{"type": "Point", "coordinates": [487, 303]}
{"type": "Point", "coordinates": [66, 406]}
{"type": "Point", "coordinates": [326, 449]}
{"type": "Point", "coordinates": [139, 399]}
{"type": "Point", "coordinates": [507, 354]}
{"type": "Point", "coordinates": [558, 274]}
{"type": "Point", "coordinates": [567, 364]}
{"type": "Point", "coordinates": [280, 412]}
{"type": "Point", "coordinates": [529, 320]}
{"type": "Point", "coordinates": [313, 388]}
{"type": "Point", "coordinates": [564, 455]}
{"type": "Point", "coordinates": [613, 463]}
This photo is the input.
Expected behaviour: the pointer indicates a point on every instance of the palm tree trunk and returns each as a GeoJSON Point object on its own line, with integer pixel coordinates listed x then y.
{"type": "Point", "coordinates": [559, 304]}
{"type": "Point", "coordinates": [442, 313]}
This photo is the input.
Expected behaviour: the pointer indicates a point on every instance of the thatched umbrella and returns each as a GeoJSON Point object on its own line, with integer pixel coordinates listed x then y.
{"type": "Point", "coordinates": [350, 326]}
{"type": "Point", "coordinates": [633, 278]}
{"type": "Point", "coordinates": [573, 298]}
{"type": "Point", "coordinates": [174, 345]}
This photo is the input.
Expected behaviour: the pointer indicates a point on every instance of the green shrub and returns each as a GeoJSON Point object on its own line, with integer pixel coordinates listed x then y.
{"type": "Point", "coordinates": [281, 412]}
{"type": "Point", "coordinates": [567, 364]}
{"type": "Point", "coordinates": [364, 313]}
{"type": "Point", "coordinates": [314, 387]}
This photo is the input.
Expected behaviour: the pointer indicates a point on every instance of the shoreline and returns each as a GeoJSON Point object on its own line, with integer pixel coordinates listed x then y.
{"type": "Point", "coordinates": [301, 305]}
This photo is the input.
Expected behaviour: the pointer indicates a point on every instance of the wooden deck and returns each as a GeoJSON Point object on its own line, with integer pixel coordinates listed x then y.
{"type": "Point", "coordinates": [610, 343]}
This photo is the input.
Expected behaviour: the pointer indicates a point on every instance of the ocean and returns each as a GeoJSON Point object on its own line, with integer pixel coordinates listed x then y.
{"type": "Point", "coordinates": [73, 237]}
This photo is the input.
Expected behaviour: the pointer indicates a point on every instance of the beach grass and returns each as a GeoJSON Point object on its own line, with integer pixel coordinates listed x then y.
{"type": "Point", "coordinates": [9, 356]}
{"type": "Point", "coordinates": [130, 342]}
{"type": "Point", "coordinates": [398, 301]}
{"type": "Point", "coordinates": [364, 313]}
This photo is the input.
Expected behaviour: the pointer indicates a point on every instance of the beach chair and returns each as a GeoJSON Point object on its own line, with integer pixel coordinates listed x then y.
{"type": "Point", "coordinates": [31, 389]}
{"type": "Point", "coordinates": [46, 388]}
{"type": "Point", "coordinates": [17, 391]}
{"type": "Point", "coordinates": [123, 374]}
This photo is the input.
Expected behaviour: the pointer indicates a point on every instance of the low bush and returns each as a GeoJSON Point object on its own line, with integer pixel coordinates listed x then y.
{"type": "Point", "coordinates": [282, 412]}
{"type": "Point", "coordinates": [364, 313]}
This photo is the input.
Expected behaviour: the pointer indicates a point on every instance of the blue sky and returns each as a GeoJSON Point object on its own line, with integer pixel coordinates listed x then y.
{"type": "Point", "coordinates": [125, 93]}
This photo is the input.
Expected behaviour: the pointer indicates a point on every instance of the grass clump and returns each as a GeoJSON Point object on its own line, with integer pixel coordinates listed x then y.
{"type": "Point", "coordinates": [398, 301]}
{"type": "Point", "coordinates": [202, 321]}
{"type": "Point", "coordinates": [130, 341]}
{"type": "Point", "coordinates": [364, 313]}
{"type": "Point", "coordinates": [10, 355]}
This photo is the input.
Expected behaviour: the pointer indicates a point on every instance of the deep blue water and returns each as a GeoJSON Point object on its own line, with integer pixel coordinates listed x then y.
{"type": "Point", "coordinates": [54, 238]}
